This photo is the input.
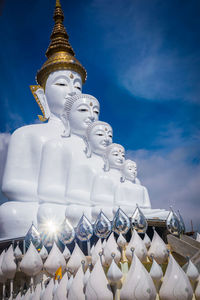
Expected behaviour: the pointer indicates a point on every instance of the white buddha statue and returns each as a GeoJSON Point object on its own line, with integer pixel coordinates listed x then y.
{"type": "Point", "coordinates": [102, 195]}
{"type": "Point", "coordinates": [128, 193]}
{"type": "Point", "coordinates": [98, 138]}
{"type": "Point", "coordinates": [114, 158]}
{"type": "Point", "coordinates": [47, 173]}
{"type": "Point", "coordinates": [129, 171]}
{"type": "Point", "coordinates": [66, 175]}
{"type": "Point", "coordinates": [61, 76]}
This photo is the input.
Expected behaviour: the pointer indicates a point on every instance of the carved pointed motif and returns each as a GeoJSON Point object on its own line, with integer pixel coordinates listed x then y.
{"type": "Point", "coordinates": [176, 284]}
{"type": "Point", "coordinates": [67, 233]}
{"type": "Point", "coordinates": [138, 283]}
{"type": "Point", "coordinates": [181, 223]}
{"type": "Point", "coordinates": [102, 226]}
{"type": "Point", "coordinates": [191, 270]}
{"type": "Point", "coordinates": [156, 272]}
{"type": "Point", "coordinates": [121, 222]}
{"type": "Point", "coordinates": [18, 252]}
{"type": "Point", "coordinates": [32, 236]}
{"type": "Point", "coordinates": [139, 221]}
{"type": "Point", "coordinates": [114, 274]}
{"type": "Point", "coordinates": [173, 224]}
{"type": "Point", "coordinates": [158, 249]}
{"type": "Point", "coordinates": [84, 230]}
{"type": "Point", "coordinates": [31, 263]}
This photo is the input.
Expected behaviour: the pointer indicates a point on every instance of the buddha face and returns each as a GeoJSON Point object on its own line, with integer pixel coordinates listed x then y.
{"type": "Point", "coordinates": [60, 85]}
{"type": "Point", "coordinates": [83, 112]}
{"type": "Point", "coordinates": [116, 157]}
{"type": "Point", "coordinates": [100, 137]}
{"type": "Point", "coordinates": [130, 170]}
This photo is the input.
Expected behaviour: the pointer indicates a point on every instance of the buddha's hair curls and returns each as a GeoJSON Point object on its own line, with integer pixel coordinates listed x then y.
{"type": "Point", "coordinates": [130, 161]}
{"type": "Point", "coordinates": [94, 124]}
{"type": "Point", "coordinates": [70, 101]}
{"type": "Point", "coordinates": [109, 148]}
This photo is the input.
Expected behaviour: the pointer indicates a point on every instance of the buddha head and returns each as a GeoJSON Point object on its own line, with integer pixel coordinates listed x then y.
{"type": "Point", "coordinates": [129, 171]}
{"type": "Point", "coordinates": [62, 75]}
{"type": "Point", "coordinates": [59, 86]}
{"type": "Point", "coordinates": [78, 113]}
{"type": "Point", "coordinates": [114, 157]}
{"type": "Point", "coordinates": [98, 138]}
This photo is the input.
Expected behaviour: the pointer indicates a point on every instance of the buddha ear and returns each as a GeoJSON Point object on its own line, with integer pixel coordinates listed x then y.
{"type": "Point", "coordinates": [122, 178]}
{"type": "Point", "coordinates": [67, 131]}
{"type": "Point", "coordinates": [41, 99]}
{"type": "Point", "coordinates": [106, 164]}
{"type": "Point", "coordinates": [87, 150]}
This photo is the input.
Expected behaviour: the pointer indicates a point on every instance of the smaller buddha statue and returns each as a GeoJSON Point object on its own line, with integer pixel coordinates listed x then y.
{"type": "Point", "coordinates": [103, 190]}
{"type": "Point", "coordinates": [129, 171]}
{"type": "Point", "coordinates": [98, 137]}
{"type": "Point", "coordinates": [114, 157]}
{"type": "Point", "coordinates": [78, 113]}
{"type": "Point", "coordinates": [65, 175]}
{"type": "Point", "coordinates": [129, 192]}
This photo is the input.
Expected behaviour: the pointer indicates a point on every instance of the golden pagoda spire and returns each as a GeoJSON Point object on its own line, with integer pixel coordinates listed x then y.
{"type": "Point", "coordinates": [59, 36]}
{"type": "Point", "coordinates": [60, 54]}
{"type": "Point", "coordinates": [58, 3]}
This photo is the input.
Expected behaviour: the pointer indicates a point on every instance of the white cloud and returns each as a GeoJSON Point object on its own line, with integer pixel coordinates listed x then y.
{"type": "Point", "coordinates": [142, 55]}
{"type": "Point", "coordinates": [4, 141]}
{"type": "Point", "coordinates": [163, 76]}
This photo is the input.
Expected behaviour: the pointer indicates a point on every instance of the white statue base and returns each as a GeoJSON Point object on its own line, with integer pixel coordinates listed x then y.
{"type": "Point", "coordinates": [16, 218]}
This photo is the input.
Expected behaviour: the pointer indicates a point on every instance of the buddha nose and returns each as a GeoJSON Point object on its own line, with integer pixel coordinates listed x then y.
{"type": "Point", "coordinates": [92, 118]}
{"type": "Point", "coordinates": [71, 94]}
{"type": "Point", "coordinates": [121, 157]}
{"type": "Point", "coordinates": [106, 138]}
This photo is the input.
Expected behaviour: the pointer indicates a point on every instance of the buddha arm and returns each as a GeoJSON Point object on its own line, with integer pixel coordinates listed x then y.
{"type": "Point", "coordinates": [117, 198]}
{"type": "Point", "coordinates": [54, 169]}
{"type": "Point", "coordinates": [80, 182]}
{"type": "Point", "coordinates": [21, 170]}
{"type": "Point", "coordinates": [147, 202]}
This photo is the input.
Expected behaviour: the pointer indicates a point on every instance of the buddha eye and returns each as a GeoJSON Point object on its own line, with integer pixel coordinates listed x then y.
{"type": "Point", "coordinates": [123, 155]}
{"type": "Point", "coordinates": [78, 87]}
{"type": "Point", "coordinates": [115, 154]}
{"type": "Point", "coordinates": [82, 109]}
{"type": "Point", "coordinates": [61, 84]}
{"type": "Point", "coordinates": [110, 135]}
{"type": "Point", "coordinates": [96, 112]}
{"type": "Point", "coordinates": [99, 134]}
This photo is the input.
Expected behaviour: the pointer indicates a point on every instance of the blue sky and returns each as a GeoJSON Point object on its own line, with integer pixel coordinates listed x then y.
{"type": "Point", "coordinates": [143, 64]}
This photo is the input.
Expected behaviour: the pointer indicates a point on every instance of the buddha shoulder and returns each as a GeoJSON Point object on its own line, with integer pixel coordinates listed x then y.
{"type": "Point", "coordinates": [37, 131]}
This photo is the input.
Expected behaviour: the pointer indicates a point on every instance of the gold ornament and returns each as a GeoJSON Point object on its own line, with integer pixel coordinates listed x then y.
{"type": "Point", "coordinates": [33, 89]}
{"type": "Point", "coordinates": [60, 54]}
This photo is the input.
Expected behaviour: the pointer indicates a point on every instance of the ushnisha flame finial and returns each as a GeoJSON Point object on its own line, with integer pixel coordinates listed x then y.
{"type": "Point", "coordinates": [59, 53]}
{"type": "Point", "coordinates": [58, 3]}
